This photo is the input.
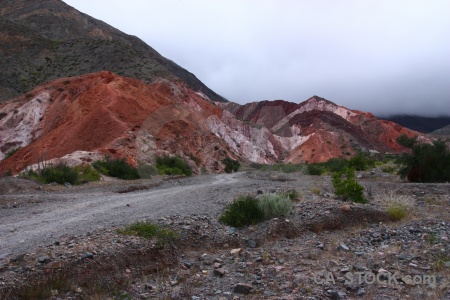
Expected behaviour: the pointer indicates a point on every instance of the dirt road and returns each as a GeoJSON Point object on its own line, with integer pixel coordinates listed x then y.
{"type": "Point", "coordinates": [51, 216]}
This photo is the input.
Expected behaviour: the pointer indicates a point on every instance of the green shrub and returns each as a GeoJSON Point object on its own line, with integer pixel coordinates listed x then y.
{"type": "Point", "coordinates": [87, 174]}
{"type": "Point", "coordinates": [248, 210]}
{"type": "Point", "coordinates": [426, 163]}
{"type": "Point", "coordinates": [274, 205]}
{"type": "Point", "coordinates": [335, 164]}
{"type": "Point", "coordinates": [244, 210]}
{"type": "Point", "coordinates": [315, 169]}
{"type": "Point", "coordinates": [149, 230]}
{"type": "Point", "coordinates": [407, 142]}
{"type": "Point", "coordinates": [116, 167]}
{"type": "Point", "coordinates": [361, 162]}
{"type": "Point", "coordinates": [231, 165]}
{"type": "Point", "coordinates": [172, 165]}
{"type": "Point", "coordinates": [348, 188]}
{"type": "Point", "coordinates": [60, 173]}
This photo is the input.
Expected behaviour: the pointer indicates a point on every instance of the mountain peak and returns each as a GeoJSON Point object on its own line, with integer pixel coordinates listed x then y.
{"type": "Point", "coordinates": [317, 99]}
{"type": "Point", "coordinates": [58, 41]}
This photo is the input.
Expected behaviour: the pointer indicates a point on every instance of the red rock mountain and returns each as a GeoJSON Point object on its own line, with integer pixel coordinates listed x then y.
{"type": "Point", "coordinates": [87, 112]}
{"type": "Point", "coordinates": [320, 129]}
{"type": "Point", "coordinates": [81, 118]}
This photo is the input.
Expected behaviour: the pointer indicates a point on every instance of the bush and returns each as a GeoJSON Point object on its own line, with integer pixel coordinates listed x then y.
{"type": "Point", "coordinates": [335, 164]}
{"type": "Point", "coordinates": [86, 174]}
{"type": "Point", "coordinates": [274, 205]}
{"type": "Point", "coordinates": [427, 163]}
{"type": "Point", "coordinates": [231, 165]}
{"type": "Point", "coordinates": [172, 165]}
{"type": "Point", "coordinates": [407, 142]}
{"type": "Point", "coordinates": [315, 169]}
{"type": "Point", "coordinates": [348, 188]}
{"type": "Point", "coordinates": [248, 210]}
{"type": "Point", "coordinates": [60, 173]}
{"type": "Point", "coordinates": [242, 211]}
{"type": "Point", "coordinates": [116, 167]}
{"type": "Point", "coordinates": [361, 162]}
{"type": "Point", "coordinates": [148, 230]}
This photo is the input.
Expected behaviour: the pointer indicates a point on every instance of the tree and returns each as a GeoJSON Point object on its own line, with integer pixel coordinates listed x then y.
{"type": "Point", "coordinates": [426, 163]}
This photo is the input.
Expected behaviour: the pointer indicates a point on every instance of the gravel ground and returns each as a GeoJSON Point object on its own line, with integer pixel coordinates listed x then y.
{"type": "Point", "coordinates": [29, 220]}
{"type": "Point", "coordinates": [74, 229]}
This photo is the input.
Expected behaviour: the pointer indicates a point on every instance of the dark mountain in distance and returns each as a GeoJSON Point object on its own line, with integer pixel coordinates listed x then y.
{"type": "Point", "coordinates": [418, 123]}
{"type": "Point", "coordinates": [47, 39]}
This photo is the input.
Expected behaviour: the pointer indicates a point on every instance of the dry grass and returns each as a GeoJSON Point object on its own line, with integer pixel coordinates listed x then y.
{"type": "Point", "coordinates": [315, 190]}
{"type": "Point", "coordinates": [397, 205]}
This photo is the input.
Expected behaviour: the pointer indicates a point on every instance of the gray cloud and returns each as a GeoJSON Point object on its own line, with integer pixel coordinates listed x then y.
{"type": "Point", "coordinates": [379, 56]}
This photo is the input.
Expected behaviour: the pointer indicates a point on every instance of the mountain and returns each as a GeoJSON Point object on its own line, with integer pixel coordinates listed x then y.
{"type": "Point", "coordinates": [85, 117]}
{"type": "Point", "coordinates": [80, 89]}
{"type": "Point", "coordinates": [418, 123]}
{"type": "Point", "coordinates": [442, 131]}
{"type": "Point", "coordinates": [319, 129]}
{"type": "Point", "coordinates": [42, 40]}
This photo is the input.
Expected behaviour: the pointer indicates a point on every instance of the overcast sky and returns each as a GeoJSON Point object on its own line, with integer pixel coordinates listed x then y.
{"type": "Point", "coordinates": [381, 56]}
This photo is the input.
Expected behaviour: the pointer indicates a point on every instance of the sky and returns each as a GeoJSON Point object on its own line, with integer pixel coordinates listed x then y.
{"type": "Point", "coordinates": [383, 56]}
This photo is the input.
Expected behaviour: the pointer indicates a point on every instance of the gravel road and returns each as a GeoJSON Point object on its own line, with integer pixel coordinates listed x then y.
{"type": "Point", "coordinates": [25, 227]}
{"type": "Point", "coordinates": [41, 218]}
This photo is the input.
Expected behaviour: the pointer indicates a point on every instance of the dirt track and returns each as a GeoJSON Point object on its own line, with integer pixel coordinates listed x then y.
{"type": "Point", "coordinates": [41, 218]}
